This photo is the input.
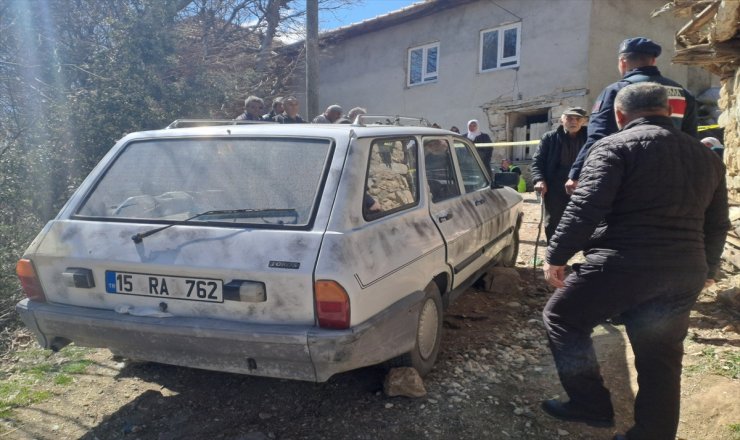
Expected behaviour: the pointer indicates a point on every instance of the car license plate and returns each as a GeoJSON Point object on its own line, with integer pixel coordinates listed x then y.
{"type": "Point", "coordinates": [160, 286]}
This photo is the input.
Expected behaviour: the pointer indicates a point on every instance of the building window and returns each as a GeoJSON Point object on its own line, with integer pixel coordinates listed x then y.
{"type": "Point", "coordinates": [499, 47]}
{"type": "Point", "coordinates": [423, 62]}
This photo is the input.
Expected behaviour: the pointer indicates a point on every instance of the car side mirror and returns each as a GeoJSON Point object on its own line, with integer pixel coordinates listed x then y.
{"type": "Point", "coordinates": [503, 179]}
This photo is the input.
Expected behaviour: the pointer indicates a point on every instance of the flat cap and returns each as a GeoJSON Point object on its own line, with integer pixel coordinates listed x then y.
{"type": "Point", "coordinates": [640, 45]}
{"type": "Point", "coordinates": [575, 111]}
{"type": "Point", "coordinates": [334, 108]}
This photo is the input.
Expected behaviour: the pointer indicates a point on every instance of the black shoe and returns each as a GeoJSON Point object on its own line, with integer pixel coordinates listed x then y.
{"type": "Point", "coordinates": [567, 411]}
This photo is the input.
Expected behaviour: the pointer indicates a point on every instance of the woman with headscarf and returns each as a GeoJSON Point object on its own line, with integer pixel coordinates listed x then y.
{"type": "Point", "coordinates": [478, 137]}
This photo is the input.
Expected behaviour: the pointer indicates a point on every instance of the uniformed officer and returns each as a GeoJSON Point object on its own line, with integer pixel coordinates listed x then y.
{"type": "Point", "coordinates": [636, 63]}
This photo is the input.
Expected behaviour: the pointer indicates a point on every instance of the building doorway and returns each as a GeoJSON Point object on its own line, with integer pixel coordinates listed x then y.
{"type": "Point", "coordinates": [529, 126]}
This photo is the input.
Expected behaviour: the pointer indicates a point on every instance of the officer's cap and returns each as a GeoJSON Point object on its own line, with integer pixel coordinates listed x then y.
{"type": "Point", "coordinates": [640, 45]}
{"type": "Point", "coordinates": [575, 111]}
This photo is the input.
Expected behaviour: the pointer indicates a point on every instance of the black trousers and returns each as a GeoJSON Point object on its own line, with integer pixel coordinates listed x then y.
{"type": "Point", "coordinates": [556, 199]}
{"type": "Point", "coordinates": [655, 306]}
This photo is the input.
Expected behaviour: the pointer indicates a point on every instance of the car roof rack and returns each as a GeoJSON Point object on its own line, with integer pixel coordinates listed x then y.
{"type": "Point", "coordinates": [181, 123]}
{"type": "Point", "coordinates": [404, 121]}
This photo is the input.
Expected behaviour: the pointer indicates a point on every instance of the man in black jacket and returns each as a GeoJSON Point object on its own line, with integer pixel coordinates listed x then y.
{"type": "Point", "coordinates": [650, 214]}
{"type": "Point", "coordinates": [552, 161]}
{"type": "Point", "coordinates": [636, 63]}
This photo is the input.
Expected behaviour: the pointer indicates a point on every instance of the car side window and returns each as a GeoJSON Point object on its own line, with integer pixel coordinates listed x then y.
{"type": "Point", "coordinates": [440, 171]}
{"type": "Point", "coordinates": [392, 181]}
{"type": "Point", "coordinates": [474, 178]}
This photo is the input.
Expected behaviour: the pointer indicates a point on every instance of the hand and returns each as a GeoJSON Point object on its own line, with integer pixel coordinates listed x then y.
{"type": "Point", "coordinates": [554, 275]}
{"type": "Point", "coordinates": [570, 186]}
{"type": "Point", "coordinates": [708, 283]}
{"type": "Point", "coordinates": [540, 187]}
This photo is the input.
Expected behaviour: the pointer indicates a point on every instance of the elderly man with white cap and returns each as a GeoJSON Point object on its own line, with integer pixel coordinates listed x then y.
{"type": "Point", "coordinates": [331, 115]}
{"type": "Point", "coordinates": [551, 164]}
{"type": "Point", "coordinates": [715, 145]}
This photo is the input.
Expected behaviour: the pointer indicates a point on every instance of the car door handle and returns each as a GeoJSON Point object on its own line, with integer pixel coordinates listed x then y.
{"type": "Point", "coordinates": [480, 202]}
{"type": "Point", "coordinates": [444, 216]}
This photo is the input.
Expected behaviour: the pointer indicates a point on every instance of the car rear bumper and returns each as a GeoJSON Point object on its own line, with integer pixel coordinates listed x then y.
{"type": "Point", "coordinates": [282, 351]}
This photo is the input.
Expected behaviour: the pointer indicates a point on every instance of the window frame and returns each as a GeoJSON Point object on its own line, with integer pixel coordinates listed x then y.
{"type": "Point", "coordinates": [456, 175]}
{"type": "Point", "coordinates": [424, 60]}
{"type": "Point", "coordinates": [88, 192]}
{"type": "Point", "coordinates": [500, 49]}
{"type": "Point", "coordinates": [470, 148]}
{"type": "Point", "coordinates": [372, 216]}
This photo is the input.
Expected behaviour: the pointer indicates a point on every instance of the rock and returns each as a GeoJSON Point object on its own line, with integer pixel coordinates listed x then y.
{"type": "Point", "coordinates": [563, 432]}
{"type": "Point", "coordinates": [264, 415]}
{"type": "Point", "coordinates": [388, 405]}
{"type": "Point", "coordinates": [472, 366]}
{"type": "Point", "coordinates": [502, 280]}
{"type": "Point", "coordinates": [730, 299]}
{"type": "Point", "coordinates": [728, 328]}
{"type": "Point", "coordinates": [404, 382]}
{"type": "Point", "coordinates": [513, 305]}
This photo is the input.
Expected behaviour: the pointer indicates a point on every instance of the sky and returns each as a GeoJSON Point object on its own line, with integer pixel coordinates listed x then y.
{"type": "Point", "coordinates": [353, 14]}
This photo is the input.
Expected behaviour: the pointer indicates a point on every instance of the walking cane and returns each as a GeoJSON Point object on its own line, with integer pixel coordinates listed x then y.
{"type": "Point", "coordinates": [539, 233]}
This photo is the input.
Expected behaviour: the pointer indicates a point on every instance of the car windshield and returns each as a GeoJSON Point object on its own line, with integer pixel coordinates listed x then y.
{"type": "Point", "coordinates": [267, 181]}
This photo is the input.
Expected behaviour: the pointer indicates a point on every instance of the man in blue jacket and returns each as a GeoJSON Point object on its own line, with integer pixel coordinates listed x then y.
{"type": "Point", "coordinates": [637, 57]}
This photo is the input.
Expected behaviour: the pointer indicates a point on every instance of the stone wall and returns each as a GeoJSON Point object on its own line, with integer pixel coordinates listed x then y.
{"type": "Point", "coordinates": [390, 181]}
{"type": "Point", "coordinates": [730, 121]}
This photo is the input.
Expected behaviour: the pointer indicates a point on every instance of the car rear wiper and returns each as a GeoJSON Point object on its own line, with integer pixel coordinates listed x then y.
{"type": "Point", "coordinates": [279, 212]}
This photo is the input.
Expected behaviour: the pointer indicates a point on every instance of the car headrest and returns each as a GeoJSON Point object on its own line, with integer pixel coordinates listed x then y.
{"type": "Point", "coordinates": [506, 179]}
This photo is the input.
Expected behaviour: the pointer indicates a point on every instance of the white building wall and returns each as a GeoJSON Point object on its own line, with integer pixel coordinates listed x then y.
{"type": "Point", "coordinates": [615, 20]}
{"type": "Point", "coordinates": [568, 55]}
{"type": "Point", "coordinates": [370, 70]}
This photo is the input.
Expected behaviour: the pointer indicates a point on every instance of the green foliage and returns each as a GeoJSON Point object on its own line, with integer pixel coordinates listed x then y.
{"type": "Point", "coordinates": [722, 363]}
{"type": "Point", "coordinates": [77, 76]}
{"type": "Point", "coordinates": [36, 373]}
{"type": "Point", "coordinates": [15, 393]}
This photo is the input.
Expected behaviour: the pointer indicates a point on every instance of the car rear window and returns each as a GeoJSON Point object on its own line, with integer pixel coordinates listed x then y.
{"type": "Point", "coordinates": [271, 181]}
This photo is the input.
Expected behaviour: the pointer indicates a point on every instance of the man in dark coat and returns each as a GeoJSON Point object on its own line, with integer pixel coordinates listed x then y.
{"type": "Point", "coordinates": [252, 109]}
{"type": "Point", "coordinates": [650, 214]}
{"type": "Point", "coordinates": [290, 112]}
{"type": "Point", "coordinates": [478, 137]}
{"type": "Point", "coordinates": [552, 161]}
{"type": "Point", "coordinates": [277, 108]}
{"type": "Point", "coordinates": [636, 63]}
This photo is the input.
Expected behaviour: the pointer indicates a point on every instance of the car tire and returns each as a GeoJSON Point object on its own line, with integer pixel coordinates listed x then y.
{"type": "Point", "coordinates": [510, 253]}
{"type": "Point", "coordinates": [428, 334]}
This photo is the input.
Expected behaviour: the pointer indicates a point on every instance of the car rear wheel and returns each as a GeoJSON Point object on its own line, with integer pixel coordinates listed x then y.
{"type": "Point", "coordinates": [428, 334]}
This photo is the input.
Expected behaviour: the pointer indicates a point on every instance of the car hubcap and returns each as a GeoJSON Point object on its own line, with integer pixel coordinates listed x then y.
{"type": "Point", "coordinates": [428, 324]}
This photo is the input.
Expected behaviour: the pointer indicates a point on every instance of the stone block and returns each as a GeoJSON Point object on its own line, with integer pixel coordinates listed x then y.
{"type": "Point", "coordinates": [404, 381]}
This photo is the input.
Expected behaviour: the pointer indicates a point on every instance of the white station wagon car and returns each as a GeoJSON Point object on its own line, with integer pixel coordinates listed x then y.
{"type": "Point", "coordinates": [291, 251]}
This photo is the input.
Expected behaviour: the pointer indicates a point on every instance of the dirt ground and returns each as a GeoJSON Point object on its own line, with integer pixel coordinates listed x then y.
{"type": "Point", "coordinates": [493, 370]}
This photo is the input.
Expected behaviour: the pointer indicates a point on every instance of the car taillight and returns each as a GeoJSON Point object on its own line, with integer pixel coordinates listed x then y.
{"type": "Point", "coordinates": [332, 304]}
{"type": "Point", "coordinates": [29, 280]}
